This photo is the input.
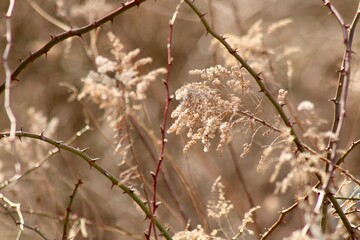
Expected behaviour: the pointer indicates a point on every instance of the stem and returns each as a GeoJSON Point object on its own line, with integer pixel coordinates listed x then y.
{"type": "Point", "coordinates": [92, 162]}
{"type": "Point", "coordinates": [251, 71]}
{"type": "Point", "coordinates": [76, 32]}
{"type": "Point", "coordinates": [68, 210]}
{"type": "Point", "coordinates": [163, 125]}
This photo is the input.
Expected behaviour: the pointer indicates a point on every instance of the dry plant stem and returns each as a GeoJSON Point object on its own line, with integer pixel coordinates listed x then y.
{"type": "Point", "coordinates": [277, 106]}
{"type": "Point", "coordinates": [251, 71]}
{"type": "Point", "coordinates": [279, 221]}
{"type": "Point", "coordinates": [149, 147]}
{"type": "Point", "coordinates": [163, 125]}
{"type": "Point", "coordinates": [37, 165]}
{"type": "Point", "coordinates": [5, 60]}
{"type": "Point", "coordinates": [342, 158]}
{"type": "Point", "coordinates": [339, 117]}
{"type": "Point", "coordinates": [245, 187]}
{"type": "Point", "coordinates": [149, 139]}
{"type": "Point", "coordinates": [77, 32]}
{"type": "Point", "coordinates": [92, 162]}
{"type": "Point", "coordinates": [327, 161]}
{"type": "Point", "coordinates": [35, 229]}
{"type": "Point", "coordinates": [68, 210]}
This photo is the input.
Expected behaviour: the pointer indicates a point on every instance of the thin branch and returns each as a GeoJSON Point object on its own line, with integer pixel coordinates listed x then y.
{"type": "Point", "coordinates": [68, 210]}
{"type": "Point", "coordinates": [37, 165]}
{"type": "Point", "coordinates": [279, 221]}
{"type": "Point", "coordinates": [92, 163]}
{"type": "Point", "coordinates": [168, 98]}
{"type": "Point", "coordinates": [77, 32]}
{"type": "Point", "coordinates": [15, 206]}
{"type": "Point", "coordinates": [251, 71]}
{"type": "Point", "coordinates": [339, 117]}
{"type": "Point", "coordinates": [5, 60]}
{"type": "Point", "coordinates": [342, 158]}
{"type": "Point", "coordinates": [245, 187]}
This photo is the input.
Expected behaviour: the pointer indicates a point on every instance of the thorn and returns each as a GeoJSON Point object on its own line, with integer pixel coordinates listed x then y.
{"type": "Point", "coordinates": [137, 2]}
{"type": "Point", "coordinates": [203, 15]}
{"type": "Point", "coordinates": [223, 38]}
{"type": "Point", "coordinates": [42, 135]}
{"type": "Point", "coordinates": [233, 51]}
{"type": "Point", "coordinates": [19, 59]}
{"type": "Point", "coordinates": [332, 100]}
{"type": "Point", "coordinates": [112, 21]}
{"type": "Point", "coordinates": [96, 24]}
{"type": "Point", "coordinates": [112, 185]}
{"type": "Point", "coordinates": [123, 4]}
{"type": "Point", "coordinates": [85, 149]}
{"type": "Point", "coordinates": [152, 174]}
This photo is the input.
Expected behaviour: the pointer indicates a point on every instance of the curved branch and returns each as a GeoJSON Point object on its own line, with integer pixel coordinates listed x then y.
{"type": "Point", "coordinates": [68, 34]}
{"type": "Point", "coordinates": [92, 162]}
{"type": "Point", "coordinates": [251, 71]}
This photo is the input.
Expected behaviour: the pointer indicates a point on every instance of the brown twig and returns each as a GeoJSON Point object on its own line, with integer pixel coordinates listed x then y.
{"type": "Point", "coordinates": [68, 210]}
{"type": "Point", "coordinates": [279, 221]}
{"type": "Point", "coordinates": [245, 187]}
{"type": "Point", "coordinates": [77, 32]}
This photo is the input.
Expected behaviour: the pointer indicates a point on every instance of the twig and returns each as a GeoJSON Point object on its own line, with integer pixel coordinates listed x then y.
{"type": "Point", "coordinates": [279, 221]}
{"type": "Point", "coordinates": [68, 210]}
{"type": "Point", "coordinates": [16, 206]}
{"type": "Point", "coordinates": [339, 117]}
{"type": "Point", "coordinates": [37, 165]}
{"type": "Point", "coordinates": [245, 187]}
{"type": "Point", "coordinates": [77, 32]}
{"type": "Point", "coordinates": [148, 139]}
{"type": "Point", "coordinates": [92, 163]}
{"type": "Point", "coordinates": [155, 174]}
{"type": "Point", "coordinates": [5, 59]}
{"type": "Point", "coordinates": [342, 158]}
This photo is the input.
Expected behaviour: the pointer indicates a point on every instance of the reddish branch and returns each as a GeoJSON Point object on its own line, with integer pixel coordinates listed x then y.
{"type": "Point", "coordinates": [77, 32]}
{"type": "Point", "coordinates": [155, 174]}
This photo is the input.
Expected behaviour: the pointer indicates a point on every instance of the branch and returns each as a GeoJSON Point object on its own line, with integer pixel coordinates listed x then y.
{"type": "Point", "coordinates": [155, 175]}
{"type": "Point", "coordinates": [5, 59]}
{"type": "Point", "coordinates": [251, 71]}
{"type": "Point", "coordinates": [68, 210]}
{"type": "Point", "coordinates": [342, 158]}
{"type": "Point", "coordinates": [279, 221]}
{"type": "Point", "coordinates": [77, 32]}
{"type": "Point", "coordinates": [92, 163]}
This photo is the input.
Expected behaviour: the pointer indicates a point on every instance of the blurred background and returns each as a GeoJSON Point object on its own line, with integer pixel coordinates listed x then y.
{"type": "Point", "coordinates": [108, 213]}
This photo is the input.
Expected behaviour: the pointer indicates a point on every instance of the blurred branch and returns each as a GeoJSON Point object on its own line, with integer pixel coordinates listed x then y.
{"type": "Point", "coordinates": [279, 221]}
{"type": "Point", "coordinates": [5, 61]}
{"type": "Point", "coordinates": [77, 32]}
{"type": "Point", "coordinates": [48, 17]}
{"type": "Point", "coordinates": [251, 71]}
{"type": "Point", "coordinates": [37, 165]}
{"type": "Point", "coordinates": [92, 163]}
{"type": "Point", "coordinates": [15, 206]}
{"type": "Point", "coordinates": [68, 210]}
{"type": "Point", "coordinates": [342, 158]}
